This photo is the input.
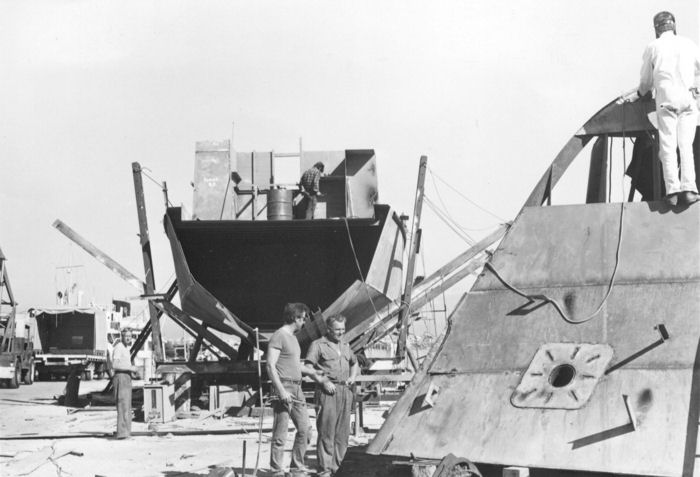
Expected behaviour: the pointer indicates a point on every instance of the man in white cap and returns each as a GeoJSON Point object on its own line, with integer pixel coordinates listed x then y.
{"type": "Point", "coordinates": [670, 65]}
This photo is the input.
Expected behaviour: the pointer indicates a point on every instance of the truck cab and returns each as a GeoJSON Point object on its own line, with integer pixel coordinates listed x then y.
{"type": "Point", "coordinates": [16, 350]}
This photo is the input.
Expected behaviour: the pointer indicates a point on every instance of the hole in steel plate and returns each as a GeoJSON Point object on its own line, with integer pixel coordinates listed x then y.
{"type": "Point", "coordinates": [562, 375]}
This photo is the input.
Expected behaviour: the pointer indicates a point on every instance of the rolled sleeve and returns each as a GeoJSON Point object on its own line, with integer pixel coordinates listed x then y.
{"type": "Point", "coordinates": [312, 356]}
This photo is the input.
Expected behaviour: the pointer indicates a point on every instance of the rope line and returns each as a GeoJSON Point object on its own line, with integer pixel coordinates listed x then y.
{"type": "Point", "coordinates": [465, 197]}
{"type": "Point", "coordinates": [445, 211]}
{"type": "Point", "coordinates": [454, 227]}
{"type": "Point", "coordinates": [159, 184]}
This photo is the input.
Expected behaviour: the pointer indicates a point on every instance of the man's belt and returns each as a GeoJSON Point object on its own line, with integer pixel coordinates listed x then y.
{"type": "Point", "coordinates": [291, 381]}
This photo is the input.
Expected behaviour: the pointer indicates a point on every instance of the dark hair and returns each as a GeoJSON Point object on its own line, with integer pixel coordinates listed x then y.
{"type": "Point", "coordinates": [319, 166]}
{"type": "Point", "coordinates": [664, 21]}
{"type": "Point", "coordinates": [338, 318]}
{"type": "Point", "coordinates": [292, 311]}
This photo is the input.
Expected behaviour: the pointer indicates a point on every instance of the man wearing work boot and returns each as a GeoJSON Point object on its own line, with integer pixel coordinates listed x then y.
{"type": "Point", "coordinates": [285, 369]}
{"type": "Point", "coordinates": [121, 381]}
{"type": "Point", "coordinates": [334, 396]}
{"type": "Point", "coordinates": [670, 65]}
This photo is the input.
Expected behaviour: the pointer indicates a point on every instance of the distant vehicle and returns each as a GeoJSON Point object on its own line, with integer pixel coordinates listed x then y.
{"type": "Point", "coordinates": [71, 336]}
{"type": "Point", "coordinates": [16, 352]}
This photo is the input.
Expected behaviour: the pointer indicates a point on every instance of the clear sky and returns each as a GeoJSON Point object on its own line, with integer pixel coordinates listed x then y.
{"type": "Point", "coordinates": [488, 90]}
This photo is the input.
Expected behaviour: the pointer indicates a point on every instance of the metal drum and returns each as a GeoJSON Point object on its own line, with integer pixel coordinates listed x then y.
{"type": "Point", "coordinates": [279, 204]}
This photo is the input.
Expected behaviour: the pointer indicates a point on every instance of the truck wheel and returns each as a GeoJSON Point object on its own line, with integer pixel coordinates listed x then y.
{"type": "Point", "coordinates": [13, 382]}
{"type": "Point", "coordinates": [29, 375]}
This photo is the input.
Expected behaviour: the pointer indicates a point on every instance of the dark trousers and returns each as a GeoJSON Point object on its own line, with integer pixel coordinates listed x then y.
{"type": "Point", "coordinates": [122, 395]}
{"type": "Point", "coordinates": [299, 415]}
{"type": "Point", "coordinates": [333, 425]}
{"type": "Point", "coordinates": [307, 206]}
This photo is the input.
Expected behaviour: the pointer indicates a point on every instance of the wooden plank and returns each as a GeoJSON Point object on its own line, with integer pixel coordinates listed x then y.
{"type": "Point", "coordinates": [384, 378]}
{"type": "Point", "coordinates": [101, 257]}
{"type": "Point", "coordinates": [147, 259]}
{"type": "Point", "coordinates": [405, 311]}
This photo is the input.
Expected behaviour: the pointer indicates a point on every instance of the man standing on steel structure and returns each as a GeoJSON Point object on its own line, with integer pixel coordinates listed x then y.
{"type": "Point", "coordinates": [334, 396]}
{"type": "Point", "coordinates": [285, 369]}
{"type": "Point", "coordinates": [121, 381]}
{"type": "Point", "coordinates": [670, 66]}
{"type": "Point", "coordinates": [309, 182]}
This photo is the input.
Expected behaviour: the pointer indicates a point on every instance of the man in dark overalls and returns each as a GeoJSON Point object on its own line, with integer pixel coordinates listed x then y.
{"type": "Point", "coordinates": [334, 396]}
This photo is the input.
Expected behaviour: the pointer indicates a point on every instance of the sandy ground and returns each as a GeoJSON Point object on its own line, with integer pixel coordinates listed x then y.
{"type": "Point", "coordinates": [33, 441]}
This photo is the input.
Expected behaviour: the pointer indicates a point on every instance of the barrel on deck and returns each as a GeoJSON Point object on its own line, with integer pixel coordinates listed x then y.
{"type": "Point", "coordinates": [279, 204]}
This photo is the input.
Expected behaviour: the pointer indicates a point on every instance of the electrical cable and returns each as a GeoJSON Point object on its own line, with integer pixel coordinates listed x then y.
{"type": "Point", "coordinates": [611, 283]}
{"type": "Point", "coordinates": [359, 269]}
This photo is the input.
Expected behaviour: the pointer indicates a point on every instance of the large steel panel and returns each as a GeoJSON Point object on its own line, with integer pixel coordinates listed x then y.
{"type": "Point", "coordinates": [254, 268]}
{"type": "Point", "coordinates": [577, 244]}
{"type": "Point", "coordinates": [473, 417]}
{"type": "Point", "coordinates": [568, 254]}
{"type": "Point", "coordinates": [211, 181]}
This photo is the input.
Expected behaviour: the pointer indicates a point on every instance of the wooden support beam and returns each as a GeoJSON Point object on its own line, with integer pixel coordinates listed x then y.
{"type": "Point", "coordinates": [146, 331]}
{"type": "Point", "coordinates": [197, 345]}
{"type": "Point", "coordinates": [405, 311]}
{"type": "Point", "coordinates": [101, 257]}
{"type": "Point", "coordinates": [174, 312]}
{"type": "Point", "coordinates": [147, 259]}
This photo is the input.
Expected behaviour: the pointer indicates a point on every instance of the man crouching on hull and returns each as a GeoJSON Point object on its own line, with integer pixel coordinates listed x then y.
{"type": "Point", "coordinates": [285, 369]}
{"type": "Point", "coordinates": [334, 395]}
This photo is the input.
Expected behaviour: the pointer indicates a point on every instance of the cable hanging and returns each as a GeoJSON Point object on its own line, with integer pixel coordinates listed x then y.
{"type": "Point", "coordinates": [611, 283]}
{"type": "Point", "coordinates": [359, 269]}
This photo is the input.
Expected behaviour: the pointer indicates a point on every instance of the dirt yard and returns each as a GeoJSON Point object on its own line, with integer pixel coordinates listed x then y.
{"type": "Point", "coordinates": [39, 437]}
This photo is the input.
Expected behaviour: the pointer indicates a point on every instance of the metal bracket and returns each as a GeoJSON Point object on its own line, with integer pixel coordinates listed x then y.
{"type": "Point", "coordinates": [431, 395]}
{"type": "Point", "coordinates": [630, 411]}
